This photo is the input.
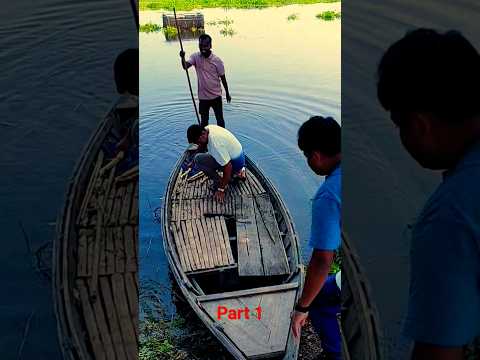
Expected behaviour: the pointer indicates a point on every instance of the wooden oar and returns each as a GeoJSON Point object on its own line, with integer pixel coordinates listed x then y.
{"type": "Point", "coordinates": [186, 70]}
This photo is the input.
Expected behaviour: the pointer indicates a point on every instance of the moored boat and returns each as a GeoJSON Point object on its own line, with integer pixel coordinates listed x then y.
{"type": "Point", "coordinates": [237, 263]}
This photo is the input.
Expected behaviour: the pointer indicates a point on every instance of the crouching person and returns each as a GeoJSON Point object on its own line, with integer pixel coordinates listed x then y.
{"type": "Point", "coordinates": [218, 150]}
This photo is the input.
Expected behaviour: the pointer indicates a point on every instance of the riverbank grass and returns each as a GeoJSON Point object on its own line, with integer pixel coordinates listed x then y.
{"type": "Point", "coordinates": [187, 5]}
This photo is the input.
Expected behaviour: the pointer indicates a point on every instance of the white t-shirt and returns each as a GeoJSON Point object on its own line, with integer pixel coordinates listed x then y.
{"type": "Point", "coordinates": [222, 144]}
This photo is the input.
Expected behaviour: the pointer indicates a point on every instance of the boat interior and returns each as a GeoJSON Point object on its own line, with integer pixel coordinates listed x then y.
{"type": "Point", "coordinates": [237, 254]}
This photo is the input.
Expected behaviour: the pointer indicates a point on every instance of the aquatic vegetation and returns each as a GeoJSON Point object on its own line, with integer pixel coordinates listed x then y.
{"type": "Point", "coordinates": [329, 15]}
{"type": "Point", "coordinates": [227, 31]}
{"type": "Point", "coordinates": [292, 17]}
{"type": "Point", "coordinates": [158, 340]}
{"type": "Point", "coordinates": [170, 31]}
{"type": "Point", "coordinates": [225, 22]}
{"type": "Point", "coordinates": [187, 5]}
{"type": "Point", "coordinates": [150, 27]}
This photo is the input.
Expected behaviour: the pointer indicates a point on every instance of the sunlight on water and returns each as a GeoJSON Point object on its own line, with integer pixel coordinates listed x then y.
{"type": "Point", "coordinates": [279, 72]}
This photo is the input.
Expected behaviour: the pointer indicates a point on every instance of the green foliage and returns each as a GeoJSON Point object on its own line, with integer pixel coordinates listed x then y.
{"type": "Point", "coordinates": [157, 340]}
{"type": "Point", "coordinates": [337, 263]}
{"type": "Point", "coordinates": [292, 17]}
{"type": "Point", "coordinates": [187, 5]}
{"type": "Point", "coordinates": [329, 15]}
{"type": "Point", "coordinates": [227, 31]}
{"type": "Point", "coordinates": [150, 27]}
{"type": "Point", "coordinates": [170, 31]}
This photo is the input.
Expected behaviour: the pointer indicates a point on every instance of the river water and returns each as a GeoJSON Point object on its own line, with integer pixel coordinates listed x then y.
{"type": "Point", "coordinates": [57, 84]}
{"type": "Point", "coordinates": [280, 72]}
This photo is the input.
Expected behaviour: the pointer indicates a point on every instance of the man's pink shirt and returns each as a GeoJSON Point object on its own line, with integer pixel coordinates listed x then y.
{"type": "Point", "coordinates": [209, 71]}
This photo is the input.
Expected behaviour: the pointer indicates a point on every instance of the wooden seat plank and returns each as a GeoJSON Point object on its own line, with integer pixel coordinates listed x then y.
{"type": "Point", "coordinates": [119, 250]}
{"type": "Point", "coordinates": [129, 240]}
{"type": "Point", "coordinates": [274, 257]}
{"type": "Point", "coordinates": [249, 252]}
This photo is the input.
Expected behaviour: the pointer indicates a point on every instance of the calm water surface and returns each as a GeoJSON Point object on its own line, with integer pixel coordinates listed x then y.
{"type": "Point", "coordinates": [279, 72]}
{"type": "Point", "coordinates": [57, 85]}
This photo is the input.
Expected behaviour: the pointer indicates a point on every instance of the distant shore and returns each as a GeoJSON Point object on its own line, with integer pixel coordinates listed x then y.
{"type": "Point", "coordinates": [187, 5]}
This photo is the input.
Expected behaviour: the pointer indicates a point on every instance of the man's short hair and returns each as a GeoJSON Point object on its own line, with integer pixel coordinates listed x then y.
{"type": "Point", "coordinates": [193, 133]}
{"type": "Point", "coordinates": [426, 71]}
{"type": "Point", "coordinates": [125, 70]}
{"type": "Point", "coordinates": [322, 134]}
{"type": "Point", "coordinates": [204, 37]}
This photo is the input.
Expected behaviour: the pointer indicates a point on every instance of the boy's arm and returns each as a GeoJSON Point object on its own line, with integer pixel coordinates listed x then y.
{"type": "Point", "coordinates": [225, 86]}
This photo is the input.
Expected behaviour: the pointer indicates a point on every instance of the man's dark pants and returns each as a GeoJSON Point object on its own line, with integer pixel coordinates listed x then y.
{"type": "Point", "coordinates": [204, 108]}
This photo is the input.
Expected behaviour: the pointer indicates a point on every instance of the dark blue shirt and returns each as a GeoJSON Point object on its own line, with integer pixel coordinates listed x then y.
{"type": "Point", "coordinates": [444, 302]}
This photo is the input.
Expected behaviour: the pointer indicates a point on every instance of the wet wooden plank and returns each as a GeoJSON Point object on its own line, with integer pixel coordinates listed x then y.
{"type": "Point", "coordinates": [214, 240]}
{"type": "Point", "coordinates": [90, 321]}
{"type": "Point", "coordinates": [249, 252]}
{"type": "Point", "coordinates": [119, 250]}
{"type": "Point", "coordinates": [124, 318]}
{"type": "Point", "coordinates": [102, 326]}
{"type": "Point", "coordinates": [102, 269]}
{"type": "Point", "coordinates": [98, 242]}
{"type": "Point", "coordinates": [82, 261]}
{"type": "Point", "coordinates": [181, 249]}
{"type": "Point", "coordinates": [220, 239]}
{"type": "Point", "coordinates": [274, 257]}
{"type": "Point", "coordinates": [201, 246]}
{"type": "Point", "coordinates": [134, 209]}
{"type": "Point", "coordinates": [111, 315]}
{"type": "Point", "coordinates": [191, 248]}
{"type": "Point", "coordinates": [90, 250]}
{"type": "Point", "coordinates": [91, 185]}
{"type": "Point", "coordinates": [195, 242]}
{"type": "Point", "coordinates": [206, 245]}
{"type": "Point", "coordinates": [132, 296]}
{"type": "Point", "coordinates": [126, 204]}
{"type": "Point", "coordinates": [117, 206]}
{"type": "Point", "coordinates": [129, 239]}
{"type": "Point", "coordinates": [110, 251]}
{"type": "Point", "coordinates": [226, 237]}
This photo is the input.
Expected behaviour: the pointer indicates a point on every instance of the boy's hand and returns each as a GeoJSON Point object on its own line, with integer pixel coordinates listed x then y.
{"type": "Point", "coordinates": [229, 98]}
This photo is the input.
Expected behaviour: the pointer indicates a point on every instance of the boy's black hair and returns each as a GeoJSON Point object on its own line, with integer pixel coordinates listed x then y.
{"type": "Point", "coordinates": [321, 134]}
{"type": "Point", "coordinates": [126, 71]}
{"type": "Point", "coordinates": [205, 37]}
{"type": "Point", "coordinates": [431, 72]}
{"type": "Point", "coordinates": [193, 133]}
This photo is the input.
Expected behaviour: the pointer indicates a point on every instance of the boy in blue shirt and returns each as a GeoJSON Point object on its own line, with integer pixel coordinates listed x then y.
{"type": "Point", "coordinates": [320, 138]}
{"type": "Point", "coordinates": [429, 82]}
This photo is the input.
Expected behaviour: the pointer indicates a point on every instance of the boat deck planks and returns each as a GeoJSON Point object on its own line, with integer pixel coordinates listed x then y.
{"type": "Point", "coordinates": [256, 338]}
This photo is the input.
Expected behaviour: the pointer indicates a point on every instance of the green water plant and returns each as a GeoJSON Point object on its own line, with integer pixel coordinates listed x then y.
{"type": "Point", "coordinates": [150, 27]}
{"type": "Point", "coordinates": [227, 31]}
{"type": "Point", "coordinates": [187, 5]}
{"type": "Point", "coordinates": [292, 17]}
{"type": "Point", "coordinates": [170, 31]}
{"type": "Point", "coordinates": [329, 15]}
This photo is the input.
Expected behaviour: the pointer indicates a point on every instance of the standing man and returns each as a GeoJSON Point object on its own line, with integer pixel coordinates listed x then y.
{"type": "Point", "coordinates": [319, 138]}
{"type": "Point", "coordinates": [210, 71]}
{"type": "Point", "coordinates": [429, 82]}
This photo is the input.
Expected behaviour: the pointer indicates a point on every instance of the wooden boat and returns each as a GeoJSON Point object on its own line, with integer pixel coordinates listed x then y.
{"type": "Point", "coordinates": [95, 281]}
{"type": "Point", "coordinates": [242, 253]}
{"type": "Point", "coordinates": [360, 322]}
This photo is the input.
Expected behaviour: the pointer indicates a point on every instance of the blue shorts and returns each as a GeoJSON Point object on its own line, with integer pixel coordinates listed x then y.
{"type": "Point", "coordinates": [238, 163]}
